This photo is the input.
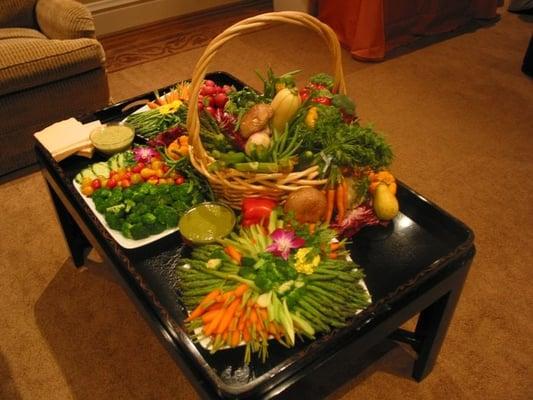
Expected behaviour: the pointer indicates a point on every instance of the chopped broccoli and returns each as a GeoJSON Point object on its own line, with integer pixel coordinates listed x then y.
{"type": "Point", "coordinates": [114, 220]}
{"type": "Point", "coordinates": [139, 231]}
{"type": "Point", "coordinates": [166, 215]}
{"type": "Point", "coordinates": [148, 218]}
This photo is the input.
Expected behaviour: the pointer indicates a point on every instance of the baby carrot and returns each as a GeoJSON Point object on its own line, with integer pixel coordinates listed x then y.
{"type": "Point", "coordinates": [210, 328]}
{"type": "Point", "coordinates": [235, 338]}
{"type": "Point", "coordinates": [330, 197]}
{"type": "Point", "coordinates": [239, 291]}
{"type": "Point", "coordinates": [233, 253]}
{"type": "Point", "coordinates": [227, 317]}
{"type": "Point", "coordinates": [341, 202]}
{"type": "Point", "coordinates": [199, 310]}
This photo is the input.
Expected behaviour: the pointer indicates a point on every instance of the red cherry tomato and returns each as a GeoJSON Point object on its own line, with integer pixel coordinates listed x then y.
{"type": "Point", "coordinates": [125, 183]}
{"type": "Point", "coordinates": [96, 184]}
{"type": "Point", "coordinates": [111, 183]}
{"type": "Point", "coordinates": [179, 180]}
{"type": "Point", "coordinates": [137, 168]}
{"type": "Point", "coordinates": [209, 82]}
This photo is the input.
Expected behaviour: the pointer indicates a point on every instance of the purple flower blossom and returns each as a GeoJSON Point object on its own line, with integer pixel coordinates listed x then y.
{"type": "Point", "coordinates": [144, 154]}
{"type": "Point", "coordinates": [283, 241]}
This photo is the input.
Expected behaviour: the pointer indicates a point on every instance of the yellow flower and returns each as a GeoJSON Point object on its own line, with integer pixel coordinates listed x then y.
{"type": "Point", "coordinates": [303, 264]}
{"type": "Point", "coordinates": [170, 108]}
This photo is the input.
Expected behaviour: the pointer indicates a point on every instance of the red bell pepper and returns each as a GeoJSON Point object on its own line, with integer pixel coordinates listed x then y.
{"type": "Point", "coordinates": [256, 210]}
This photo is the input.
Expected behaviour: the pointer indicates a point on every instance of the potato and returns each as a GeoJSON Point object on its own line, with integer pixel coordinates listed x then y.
{"type": "Point", "coordinates": [308, 205]}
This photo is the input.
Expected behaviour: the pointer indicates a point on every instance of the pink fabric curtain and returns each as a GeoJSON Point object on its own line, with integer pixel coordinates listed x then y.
{"type": "Point", "coordinates": [369, 28]}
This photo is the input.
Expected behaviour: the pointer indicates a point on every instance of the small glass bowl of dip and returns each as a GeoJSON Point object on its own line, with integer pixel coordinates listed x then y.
{"type": "Point", "coordinates": [207, 222]}
{"type": "Point", "coordinates": [113, 137]}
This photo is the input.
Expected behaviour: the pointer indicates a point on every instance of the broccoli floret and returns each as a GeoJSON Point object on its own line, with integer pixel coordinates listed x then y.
{"type": "Point", "coordinates": [166, 215]}
{"type": "Point", "coordinates": [148, 218]}
{"type": "Point", "coordinates": [134, 218]}
{"type": "Point", "coordinates": [139, 231]}
{"type": "Point", "coordinates": [156, 228]}
{"type": "Point", "coordinates": [126, 229]}
{"type": "Point", "coordinates": [115, 221]}
{"type": "Point", "coordinates": [115, 197]}
{"type": "Point", "coordinates": [129, 205]}
{"type": "Point", "coordinates": [116, 209]}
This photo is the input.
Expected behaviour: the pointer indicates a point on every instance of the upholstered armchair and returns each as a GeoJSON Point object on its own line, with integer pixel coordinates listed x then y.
{"type": "Point", "coordinates": [51, 68]}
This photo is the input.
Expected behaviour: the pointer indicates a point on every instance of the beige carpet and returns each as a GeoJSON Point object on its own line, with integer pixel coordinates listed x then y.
{"type": "Point", "coordinates": [458, 113]}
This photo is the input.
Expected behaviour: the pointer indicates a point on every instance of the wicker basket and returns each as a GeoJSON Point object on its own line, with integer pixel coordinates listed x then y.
{"type": "Point", "coordinates": [231, 186]}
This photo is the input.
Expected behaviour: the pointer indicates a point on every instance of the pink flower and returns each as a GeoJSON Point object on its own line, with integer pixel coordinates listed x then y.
{"type": "Point", "coordinates": [144, 154]}
{"type": "Point", "coordinates": [283, 241]}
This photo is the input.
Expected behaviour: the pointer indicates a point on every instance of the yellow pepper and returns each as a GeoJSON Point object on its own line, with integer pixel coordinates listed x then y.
{"type": "Point", "coordinates": [311, 117]}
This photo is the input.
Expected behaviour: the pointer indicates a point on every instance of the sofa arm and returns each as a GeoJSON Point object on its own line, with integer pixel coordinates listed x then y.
{"type": "Point", "coordinates": [64, 19]}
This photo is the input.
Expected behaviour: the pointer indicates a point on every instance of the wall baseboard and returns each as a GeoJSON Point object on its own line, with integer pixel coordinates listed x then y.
{"type": "Point", "coordinates": [112, 16]}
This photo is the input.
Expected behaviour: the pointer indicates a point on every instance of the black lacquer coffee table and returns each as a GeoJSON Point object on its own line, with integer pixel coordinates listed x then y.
{"type": "Point", "coordinates": [416, 265]}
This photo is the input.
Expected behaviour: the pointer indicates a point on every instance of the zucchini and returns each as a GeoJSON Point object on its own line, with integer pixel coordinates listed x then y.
{"type": "Point", "coordinates": [101, 169]}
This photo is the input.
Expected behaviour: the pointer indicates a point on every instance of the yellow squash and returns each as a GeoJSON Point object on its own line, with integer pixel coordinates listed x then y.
{"type": "Point", "coordinates": [285, 104]}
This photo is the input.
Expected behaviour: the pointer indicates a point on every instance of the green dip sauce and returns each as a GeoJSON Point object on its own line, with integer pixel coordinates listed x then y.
{"type": "Point", "coordinates": [112, 137]}
{"type": "Point", "coordinates": [207, 222]}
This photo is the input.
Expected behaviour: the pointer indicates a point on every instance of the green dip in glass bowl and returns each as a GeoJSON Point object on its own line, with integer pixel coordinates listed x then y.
{"type": "Point", "coordinates": [207, 222]}
{"type": "Point", "coordinates": [112, 137]}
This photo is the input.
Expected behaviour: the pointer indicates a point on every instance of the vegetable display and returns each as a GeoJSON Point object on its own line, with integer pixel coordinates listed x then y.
{"type": "Point", "coordinates": [284, 272]}
{"type": "Point", "coordinates": [277, 281]}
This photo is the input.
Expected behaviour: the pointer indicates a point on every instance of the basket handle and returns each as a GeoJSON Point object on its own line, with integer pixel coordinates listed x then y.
{"type": "Point", "coordinates": [245, 26]}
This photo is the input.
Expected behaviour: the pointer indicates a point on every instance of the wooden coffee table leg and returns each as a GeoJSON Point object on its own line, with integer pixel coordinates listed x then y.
{"type": "Point", "coordinates": [76, 240]}
{"type": "Point", "coordinates": [433, 322]}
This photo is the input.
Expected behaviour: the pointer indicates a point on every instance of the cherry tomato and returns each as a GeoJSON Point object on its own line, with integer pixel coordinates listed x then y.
{"type": "Point", "coordinates": [154, 180]}
{"type": "Point", "coordinates": [111, 183]}
{"type": "Point", "coordinates": [125, 183]}
{"type": "Point", "coordinates": [136, 178]}
{"type": "Point", "coordinates": [87, 190]}
{"type": "Point", "coordinates": [146, 173]}
{"type": "Point", "coordinates": [209, 82]}
{"type": "Point", "coordinates": [179, 180]}
{"type": "Point", "coordinates": [137, 168]}
{"type": "Point", "coordinates": [156, 164]}
{"type": "Point", "coordinates": [96, 184]}
{"type": "Point", "coordinates": [159, 173]}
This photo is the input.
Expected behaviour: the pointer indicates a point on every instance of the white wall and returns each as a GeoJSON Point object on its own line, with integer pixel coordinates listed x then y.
{"type": "Point", "coordinates": [118, 15]}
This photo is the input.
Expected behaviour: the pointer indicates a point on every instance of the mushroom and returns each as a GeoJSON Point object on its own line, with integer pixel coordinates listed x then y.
{"type": "Point", "coordinates": [255, 119]}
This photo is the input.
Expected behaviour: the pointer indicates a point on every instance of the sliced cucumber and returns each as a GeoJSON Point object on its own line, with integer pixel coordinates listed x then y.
{"type": "Point", "coordinates": [101, 169]}
{"type": "Point", "coordinates": [78, 178]}
{"type": "Point", "coordinates": [121, 160]}
{"type": "Point", "coordinates": [113, 163]}
{"type": "Point", "coordinates": [88, 173]}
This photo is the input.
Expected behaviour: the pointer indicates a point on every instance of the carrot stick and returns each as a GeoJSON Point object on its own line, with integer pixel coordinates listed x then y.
{"type": "Point", "coordinates": [247, 337]}
{"type": "Point", "coordinates": [233, 253]}
{"type": "Point", "coordinates": [312, 228]}
{"type": "Point", "coordinates": [334, 246]}
{"type": "Point", "coordinates": [152, 105]}
{"type": "Point", "coordinates": [341, 203]}
{"type": "Point", "coordinates": [210, 328]}
{"type": "Point", "coordinates": [210, 315]}
{"type": "Point", "coordinates": [239, 291]}
{"type": "Point", "coordinates": [330, 197]}
{"type": "Point", "coordinates": [200, 309]}
{"type": "Point", "coordinates": [228, 316]}
{"type": "Point", "coordinates": [235, 338]}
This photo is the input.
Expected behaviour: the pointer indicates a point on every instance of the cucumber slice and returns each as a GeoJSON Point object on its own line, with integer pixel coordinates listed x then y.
{"type": "Point", "coordinates": [113, 163]}
{"type": "Point", "coordinates": [121, 160]}
{"type": "Point", "coordinates": [78, 178]}
{"type": "Point", "coordinates": [101, 169]}
{"type": "Point", "coordinates": [87, 173]}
